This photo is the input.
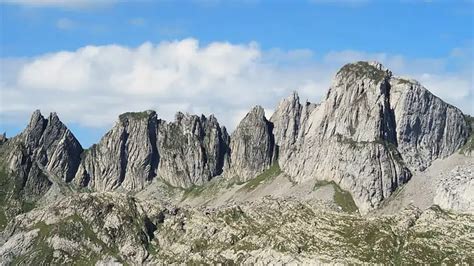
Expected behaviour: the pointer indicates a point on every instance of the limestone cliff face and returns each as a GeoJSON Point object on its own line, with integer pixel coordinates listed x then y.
{"type": "Point", "coordinates": [427, 128]}
{"type": "Point", "coordinates": [370, 132]}
{"type": "Point", "coordinates": [49, 143]}
{"type": "Point", "coordinates": [360, 135]}
{"type": "Point", "coordinates": [46, 145]}
{"type": "Point", "coordinates": [45, 152]}
{"type": "Point", "coordinates": [252, 145]}
{"type": "Point", "coordinates": [192, 149]}
{"type": "Point", "coordinates": [125, 157]}
{"type": "Point", "coordinates": [140, 147]}
{"type": "Point", "coordinates": [289, 120]}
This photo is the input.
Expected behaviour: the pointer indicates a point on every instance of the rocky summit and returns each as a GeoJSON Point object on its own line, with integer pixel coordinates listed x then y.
{"type": "Point", "coordinates": [380, 171]}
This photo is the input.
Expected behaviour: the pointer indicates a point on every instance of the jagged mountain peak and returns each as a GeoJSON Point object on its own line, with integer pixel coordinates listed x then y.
{"type": "Point", "coordinates": [38, 124]}
{"type": "Point", "coordinates": [366, 108]}
{"type": "Point", "coordinates": [138, 116]}
{"type": "Point", "coordinates": [294, 96]}
{"type": "Point", "coordinates": [257, 110]}
{"type": "Point", "coordinates": [369, 137]}
{"type": "Point", "coordinates": [372, 71]}
{"type": "Point", "coordinates": [252, 145]}
{"type": "Point", "coordinates": [35, 117]}
{"type": "Point", "coordinates": [180, 117]}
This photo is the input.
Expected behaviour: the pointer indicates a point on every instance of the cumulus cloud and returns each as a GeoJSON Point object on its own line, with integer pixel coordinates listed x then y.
{"type": "Point", "coordinates": [94, 84]}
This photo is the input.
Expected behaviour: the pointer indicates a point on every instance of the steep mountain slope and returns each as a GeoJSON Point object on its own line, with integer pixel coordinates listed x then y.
{"type": "Point", "coordinates": [125, 157]}
{"type": "Point", "coordinates": [140, 147]}
{"type": "Point", "coordinates": [45, 153]}
{"type": "Point", "coordinates": [307, 185]}
{"type": "Point", "coordinates": [448, 183]}
{"type": "Point", "coordinates": [365, 135]}
{"type": "Point", "coordinates": [192, 150]}
{"type": "Point", "coordinates": [252, 145]}
{"type": "Point", "coordinates": [427, 128]}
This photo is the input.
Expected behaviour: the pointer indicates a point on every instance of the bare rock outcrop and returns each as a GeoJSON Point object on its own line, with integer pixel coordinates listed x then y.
{"type": "Point", "coordinates": [455, 191]}
{"type": "Point", "coordinates": [427, 128]}
{"type": "Point", "coordinates": [370, 132]}
{"type": "Point", "coordinates": [192, 150]}
{"type": "Point", "coordinates": [125, 157]}
{"type": "Point", "coordinates": [289, 119]}
{"type": "Point", "coordinates": [252, 146]}
{"type": "Point", "coordinates": [45, 147]}
{"type": "Point", "coordinates": [45, 153]}
{"type": "Point", "coordinates": [361, 135]}
{"type": "Point", "coordinates": [140, 147]}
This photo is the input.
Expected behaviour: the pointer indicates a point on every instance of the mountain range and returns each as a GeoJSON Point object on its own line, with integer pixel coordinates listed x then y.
{"type": "Point", "coordinates": [380, 171]}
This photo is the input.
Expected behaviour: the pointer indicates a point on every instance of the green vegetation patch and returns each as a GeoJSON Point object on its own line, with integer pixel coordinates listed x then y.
{"type": "Point", "coordinates": [3, 219]}
{"type": "Point", "coordinates": [363, 69]}
{"type": "Point", "coordinates": [134, 115]}
{"type": "Point", "coordinates": [207, 190]}
{"type": "Point", "coordinates": [469, 146]}
{"type": "Point", "coordinates": [75, 229]}
{"type": "Point", "coordinates": [193, 191]}
{"type": "Point", "coordinates": [341, 197]}
{"type": "Point", "coordinates": [404, 81]}
{"type": "Point", "coordinates": [10, 201]}
{"type": "Point", "coordinates": [267, 175]}
{"type": "Point", "coordinates": [6, 186]}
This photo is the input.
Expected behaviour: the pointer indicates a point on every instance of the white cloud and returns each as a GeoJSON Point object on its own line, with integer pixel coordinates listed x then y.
{"type": "Point", "coordinates": [94, 84]}
{"type": "Point", "coordinates": [64, 4]}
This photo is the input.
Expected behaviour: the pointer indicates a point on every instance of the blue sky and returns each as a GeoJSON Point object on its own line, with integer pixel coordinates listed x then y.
{"type": "Point", "coordinates": [305, 41]}
{"type": "Point", "coordinates": [413, 28]}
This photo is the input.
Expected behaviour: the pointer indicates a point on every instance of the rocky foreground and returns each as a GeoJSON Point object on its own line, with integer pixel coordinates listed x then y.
{"type": "Point", "coordinates": [96, 228]}
{"type": "Point", "coordinates": [380, 171]}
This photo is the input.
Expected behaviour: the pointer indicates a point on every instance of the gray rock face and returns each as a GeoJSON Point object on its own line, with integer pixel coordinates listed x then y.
{"type": "Point", "coordinates": [357, 136]}
{"type": "Point", "coordinates": [252, 145]}
{"type": "Point", "coordinates": [368, 134]}
{"type": "Point", "coordinates": [45, 147]}
{"type": "Point", "coordinates": [49, 143]}
{"type": "Point", "coordinates": [192, 149]}
{"type": "Point", "coordinates": [456, 190]}
{"type": "Point", "coordinates": [289, 119]}
{"type": "Point", "coordinates": [80, 229]}
{"type": "Point", "coordinates": [188, 151]}
{"type": "Point", "coordinates": [3, 138]}
{"type": "Point", "coordinates": [427, 128]}
{"type": "Point", "coordinates": [125, 157]}
{"type": "Point", "coordinates": [45, 153]}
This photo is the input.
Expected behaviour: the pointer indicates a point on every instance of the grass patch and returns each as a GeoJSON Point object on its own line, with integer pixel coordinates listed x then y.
{"type": "Point", "coordinates": [5, 186]}
{"type": "Point", "coordinates": [73, 228]}
{"type": "Point", "coordinates": [363, 69]}
{"type": "Point", "coordinates": [469, 146]}
{"type": "Point", "coordinates": [341, 197]}
{"type": "Point", "coordinates": [193, 191]}
{"type": "Point", "coordinates": [404, 81]}
{"type": "Point", "coordinates": [27, 206]}
{"type": "Point", "coordinates": [344, 199]}
{"type": "Point", "coordinates": [268, 174]}
{"type": "Point", "coordinates": [3, 219]}
{"type": "Point", "coordinates": [134, 115]}
{"type": "Point", "coordinates": [209, 189]}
